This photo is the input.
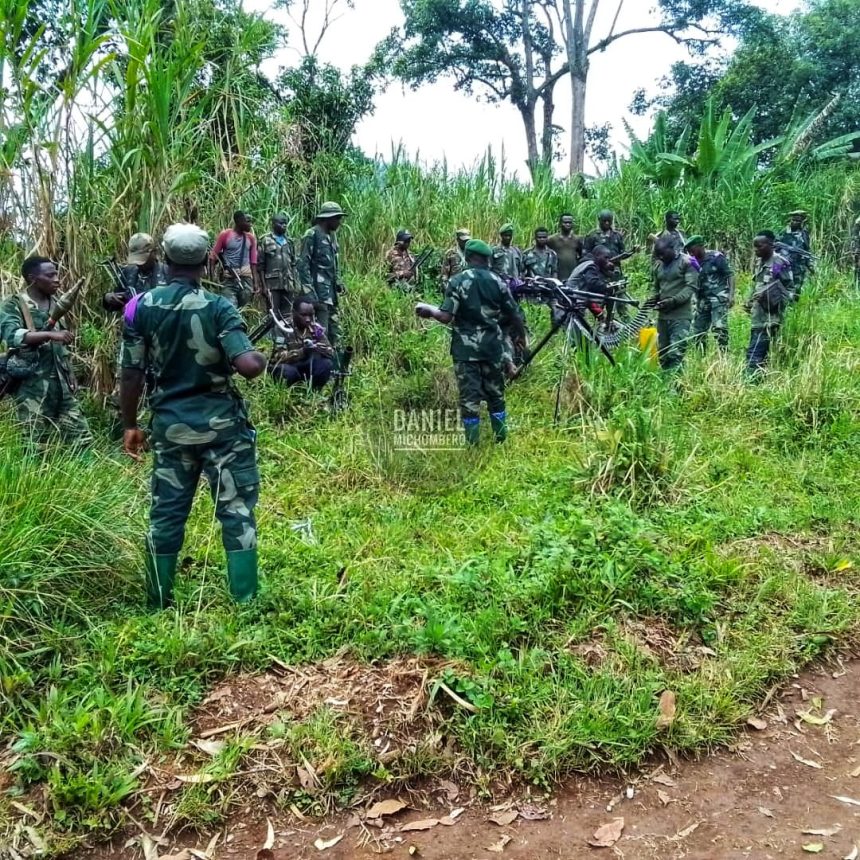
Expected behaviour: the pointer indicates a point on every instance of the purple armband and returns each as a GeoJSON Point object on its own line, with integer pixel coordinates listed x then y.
{"type": "Point", "coordinates": [776, 269]}
{"type": "Point", "coordinates": [319, 331]}
{"type": "Point", "coordinates": [695, 263]}
{"type": "Point", "coordinates": [130, 310]}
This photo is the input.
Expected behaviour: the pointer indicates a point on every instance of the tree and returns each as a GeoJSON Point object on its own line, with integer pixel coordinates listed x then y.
{"type": "Point", "coordinates": [506, 54]}
{"type": "Point", "coordinates": [787, 67]}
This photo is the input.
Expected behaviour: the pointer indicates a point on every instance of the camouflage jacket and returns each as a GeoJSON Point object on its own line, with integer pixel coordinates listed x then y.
{"type": "Point", "coordinates": [613, 240]}
{"type": "Point", "coordinates": [508, 262]}
{"type": "Point", "coordinates": [799, 240]}
{"type": "Point", "coordinates": [51, 360]}
{"type": "Point", "coordinates": [676, 283]}
{"type": "Point", "coordinates": [715, 276]}
{"type": "Point", "coordinates": [139, 282]}
{"type": "Point", "coordinates": [318, 266]}
{"type": "Point", "coordinates": [292, 347]}
{"type": "Point", "coordinates": [540, 263]}
{"type": "Point", "coordinates": [276, 263]}
{"type": "Point", "coordinates": [676, 237]}
{"type": "Point", "coordinates": [777, 268]}
{"type": "Point", "coordinates": [568, 249]}
{"type": "Point", "coordinates": [453, 263]}
{"type": "Point", "coordinates": [187, 339]}
{"type": "Point", "coordinates": [483, 308]}
{"type": "Point", "coordinates": [400, 264]}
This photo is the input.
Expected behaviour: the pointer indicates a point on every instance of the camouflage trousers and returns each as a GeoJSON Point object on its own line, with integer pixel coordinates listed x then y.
{"type": "Point", "coordinates": [282, 303]}
{"type": "Point", "coordinates": [712, 314]}
{"type": "Point", "coordinates": [238, 293]}
{"type": "Point", "coordinates": [328, 317]}
{"type": "Point", "coordinates": [230, 467]}
{"type": "Point", "coordinates": [47, 409]}
{"type": "Point", "coordinates": [673, 335]}
{"type": "Point", "coordinates": [477, 381]}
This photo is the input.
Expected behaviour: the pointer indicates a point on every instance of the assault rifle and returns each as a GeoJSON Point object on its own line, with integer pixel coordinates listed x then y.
{"type": "Point", "coordinates": [115, 274]}
{"type": "Point", "coordinates": [420, 260]}
{"type": "Point", "coordinates": [339, 397]}
{"type": "Point", "coordinates": [792, 251]}
{"type": "Point", "coordinates": [626, 255]}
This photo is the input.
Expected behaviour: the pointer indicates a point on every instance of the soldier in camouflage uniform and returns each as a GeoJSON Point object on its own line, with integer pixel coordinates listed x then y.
{"type": "Point", "coordinates": [671, 233]}
{"type": "Point", "coordinates": [319, 268]}
{"type": "Point", "coordinates": [192, 342]}
{"type": "Point", "coordinates": [676, 280]}
{"type": "Point", "coordinates": [454, 260]}
{"type": "Point", "coordinates": [479, 307]}
{"type": "Point", "coordinates": [507, 261]}
{"type": "Point", "coordinates": [797, 249]}
{"type": "Point", "coordinates": [540, 261]}
{"type": "Point", "coordinates": [45, 401]}
{"type": "Point", "coordinates": [610, 238]}
{"type": "Point", "coordinates": [773, 287]}
{"type": "Point", "coordinates": [305, 354]}
{"type": "Point", "coordinates": [401, 263]}
{"type": "Point", "coordinates": [276, 267]}
{"type": "Point", "coordinates": [716, 293]}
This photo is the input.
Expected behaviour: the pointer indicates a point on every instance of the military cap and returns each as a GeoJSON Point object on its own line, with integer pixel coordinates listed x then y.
{"type": "Point", "coordinates": [403, 235]}
{"type": "Point", "coordinates": [463, 233]}
{"type": "Point", "coordinates": [280, 216]}
{"type": "Point", "coordinates": [693, 241]}
{"type": "Point", "coordinates": [186, 244]}
{"type": "Point", "coordinates": [605, 213]}
{"type": "Point", "coordinates": [477, 246]}
{"type": "Point", "coordinates": [140, 246]}
{"type": "Point", "coordinates": [506, 228]}
{"type": "Point", "coordinates": [800, 212]}
{"type": "Point", "coordinates": [330, 209]}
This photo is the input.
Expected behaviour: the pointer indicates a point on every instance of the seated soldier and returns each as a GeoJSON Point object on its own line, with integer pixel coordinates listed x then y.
{"type": "Point", "coordinates": [305, 354]}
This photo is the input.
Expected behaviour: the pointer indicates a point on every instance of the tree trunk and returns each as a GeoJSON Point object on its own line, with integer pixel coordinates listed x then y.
{"type": "Point", "coordinates": [527, 112]}
{"type": "Point", "coordinates": [577, 123]}
{"type": "Point", "coordinates": [547, 135]}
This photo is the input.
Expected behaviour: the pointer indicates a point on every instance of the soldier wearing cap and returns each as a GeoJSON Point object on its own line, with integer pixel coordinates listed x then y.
{"type": "Point", "coordinates": [480, 310]}
{"type": "Point", "coordinates": [507, 260]}
{"type": "Point", "coordinates": [675, 282]}
{"type": "Point", "coordinates": [276, 267]}
{"type": "Point", "coordinates": [454, 259]}
{"type": "Point", "coordinates": [540, 261]}
{"type": "Point", "coordinates": [142, 272]}
{"type": "Point", "coordinates": [610, 238]}
{"type": "Point", "coordinates": [715, 295]}
{"type": "Point", "coordinates": [671, 233]}
{"type": "Point", "coordinates": [401, 262]}
{"type": "Point", "coordinates": [319, 268]}
{"type": "Point", "coordinates": [795, 243]}
{"type": "Point", "coordinates": [192, 342]}
{"type": "Point", "coordinates": [236, 250]}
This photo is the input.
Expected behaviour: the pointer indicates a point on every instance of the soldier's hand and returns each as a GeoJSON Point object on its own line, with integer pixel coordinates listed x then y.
{"type": "Point", "coordinates": [424, 311]}
{"type": "Point", "coordinates": [63, 337]}
{"type": "Point", "coordinates": [134, 443]}
{"type": "Point", "coordinates": [511, 370]}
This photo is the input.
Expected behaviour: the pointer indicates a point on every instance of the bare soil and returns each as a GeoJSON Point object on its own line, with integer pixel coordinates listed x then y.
{"type": "Point", "coordinates": [783, 777]}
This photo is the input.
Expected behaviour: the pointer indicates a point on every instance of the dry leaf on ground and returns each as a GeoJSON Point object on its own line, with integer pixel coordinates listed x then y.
{"type": "Point", "coordinates": [767, 813]}
{"type": "Point", "coordinates": [822, 831]}
{"type": "Point", "coordinates": [814, 720]}
{"type": "Point", "coordinates": [806, 761]}
{"type": "Point", "coordinates": [500, 845]}
{"type": "Point", "coordinates": [211, 748]}
{"type": "Point", "coordinates": [855, 772]}
{"type": "Point", "coordinates": [532, 812]}
{"type": "Point", "coordinates": [451, 818]}
{"type": "Point", "coordinates": [842, 799]}
{"type": "Point", "coordinates": [667, 709]}
{"type": "Point", "coordinates": [852, 854]}
{"type": "Point", "coordinates": [607, 834]}
{"type": "Point", "coordinates": [663, 779]}
{"type": "Point", "coordinates": [665, 799]}
{"type": "Point", "coordinates": [503, 819]}
{"type": "Point", "coordinates": [324, 845]}
{"type": "Point", "coordinates": [757, 723]}
{"type": "Point", "coordinates": [386, 807]}
{"type": "Point", "coordinates": [813, 848]}
{"type": "Point", "coordinates": [421, 824]}
{"type": "Point", "coordinates": [195, 778]}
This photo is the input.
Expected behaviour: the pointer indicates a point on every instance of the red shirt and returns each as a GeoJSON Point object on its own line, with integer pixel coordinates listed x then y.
{"type": "Point", "coordinates": [239, 249]}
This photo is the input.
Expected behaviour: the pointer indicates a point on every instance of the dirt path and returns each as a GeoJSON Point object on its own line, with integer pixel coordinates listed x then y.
{"type": "Point", "coordinates": [753, 802]}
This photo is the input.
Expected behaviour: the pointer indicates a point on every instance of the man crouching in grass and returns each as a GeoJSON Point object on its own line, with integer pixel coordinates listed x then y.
{"type": "Point", "coordinates": [480, 309]}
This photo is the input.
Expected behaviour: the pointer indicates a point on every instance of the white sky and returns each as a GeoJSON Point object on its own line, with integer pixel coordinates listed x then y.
{"type": "Point", "coordinates": [435, 122]}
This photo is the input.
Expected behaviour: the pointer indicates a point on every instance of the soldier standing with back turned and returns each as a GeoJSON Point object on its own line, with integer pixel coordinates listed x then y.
{"type": "Point", "coordinates": [319, 268]}
{"type": "Point", "coordinates": [716, 293]}
{"type": "Point", "coordinates": [479, 308]}
{"type": "Point", "coordinates": [454, 260]}
{"type": "Point", "coordinates": [797, 248]}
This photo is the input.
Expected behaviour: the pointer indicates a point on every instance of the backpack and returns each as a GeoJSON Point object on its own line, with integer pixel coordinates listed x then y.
{"type": "Point", "coordinates": [15, 365]}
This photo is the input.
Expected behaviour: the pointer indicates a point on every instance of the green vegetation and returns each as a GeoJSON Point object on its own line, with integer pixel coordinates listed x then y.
{"type": "Point", "coordinates": [697, 536]}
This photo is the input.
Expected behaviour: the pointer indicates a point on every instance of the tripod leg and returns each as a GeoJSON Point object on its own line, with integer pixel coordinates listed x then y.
{"type": "Point", "coordinates": [565, 352]}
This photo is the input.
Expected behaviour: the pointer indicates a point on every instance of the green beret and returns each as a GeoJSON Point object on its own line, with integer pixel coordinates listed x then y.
{"type": "Point", "coordinates": [693, 241]}
{"type": "Point", "coordinates": [506, 228]}
{"type": "Point", "coordinates": [477, 246]}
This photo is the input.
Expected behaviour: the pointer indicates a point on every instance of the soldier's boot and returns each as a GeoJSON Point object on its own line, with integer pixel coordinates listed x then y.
{"type": "Point", "coordinates": [499, 423]}
{"type": "Point", "coordinates": [242, 574]}
{"type": "Point", "coordinates": [160, 576]}
{"type": "Point", "coordinates": [472, 426]}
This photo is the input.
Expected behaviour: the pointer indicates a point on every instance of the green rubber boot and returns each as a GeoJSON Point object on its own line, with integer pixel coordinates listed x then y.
{"type": "Point", "coordinates": [499, 423]}
{"type": "Point", "coordinates": [242, 574]}
{"type": "Point", "coordinates": [472, 428]}
{"type": "Point", "coordinates": [160, 576]}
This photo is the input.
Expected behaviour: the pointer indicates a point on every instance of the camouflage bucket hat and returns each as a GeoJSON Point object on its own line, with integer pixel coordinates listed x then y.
{"type": "Point", "coordinates": [140, 246]}
{"type": "Point", "coordinates": [463, 233]}
{"type": "Point", "coordinates": [186, 244]}
{"type": "Point", "coordinates": [477, 246]}
{"type": "Point", "coordinates": [330, 209]}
